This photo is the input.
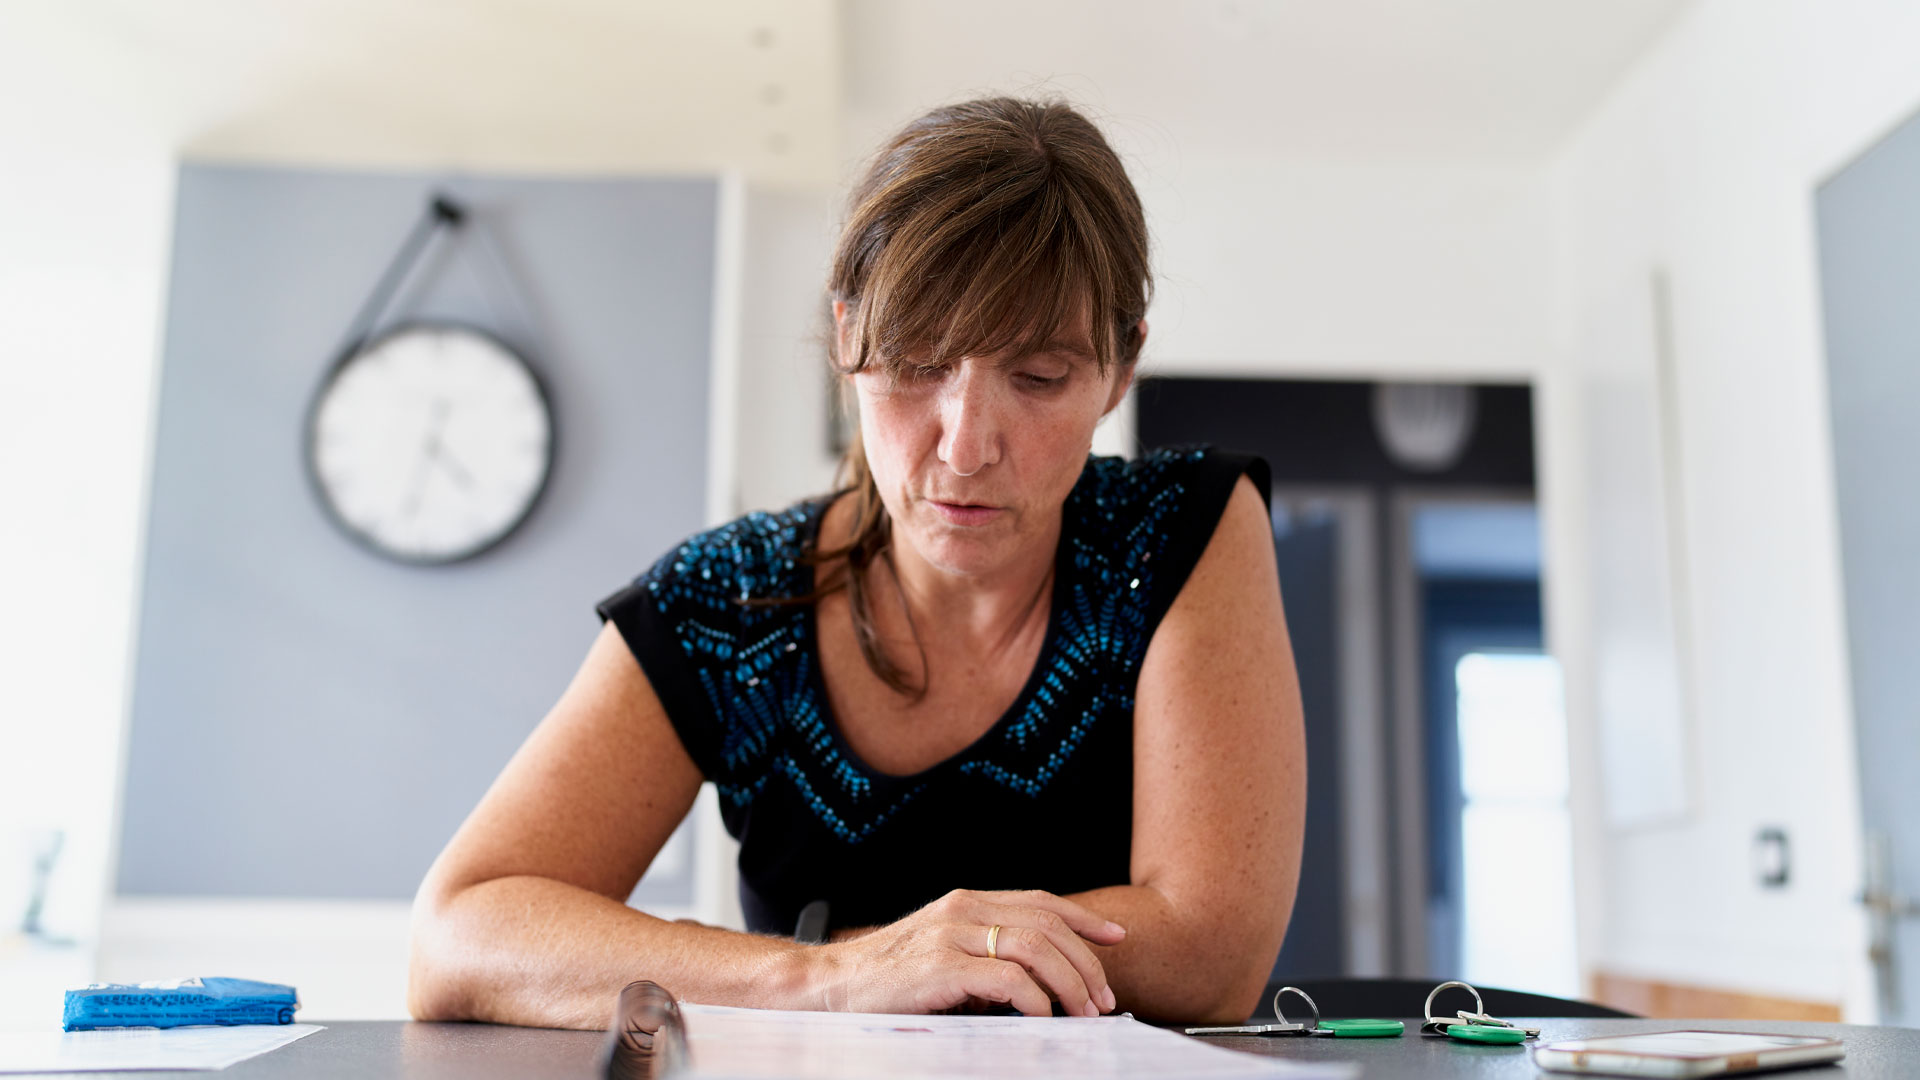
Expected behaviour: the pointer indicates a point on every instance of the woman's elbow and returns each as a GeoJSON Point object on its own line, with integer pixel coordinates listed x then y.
{"type": "Point", "coordinates": [1223, 985]}
{"type": "Point", "coordinates": [434, 989]}
{"type": "Point", "coordinates": [1239, 977]}
{"type": "Point", "coordinates": [429, 996]}
{"type": "Point", "coordinates": [1242, 999]}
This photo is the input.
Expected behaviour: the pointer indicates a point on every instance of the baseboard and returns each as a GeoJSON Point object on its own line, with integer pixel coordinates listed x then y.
{"type": "Point", "coordinates": [1675, 1001]}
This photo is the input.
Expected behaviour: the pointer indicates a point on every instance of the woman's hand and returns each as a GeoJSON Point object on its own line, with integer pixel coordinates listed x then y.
{"type": "Point", "coordinates": [936, 958]}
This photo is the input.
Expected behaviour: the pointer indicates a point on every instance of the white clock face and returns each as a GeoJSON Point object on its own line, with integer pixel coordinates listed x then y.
{"type": "Point", "coordinates": [432, 444]}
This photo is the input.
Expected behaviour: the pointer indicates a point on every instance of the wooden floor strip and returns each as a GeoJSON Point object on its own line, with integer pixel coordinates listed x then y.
{"type": "Point", "coordinates": [1665, 1000]}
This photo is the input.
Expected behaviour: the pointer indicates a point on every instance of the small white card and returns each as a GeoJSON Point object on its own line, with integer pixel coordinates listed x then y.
{"type": "Point", "coordinates": [128, 1049]}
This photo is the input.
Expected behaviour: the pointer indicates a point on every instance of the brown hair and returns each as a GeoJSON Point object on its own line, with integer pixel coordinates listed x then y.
{"type": "Point", "coordinates": [978, 228]}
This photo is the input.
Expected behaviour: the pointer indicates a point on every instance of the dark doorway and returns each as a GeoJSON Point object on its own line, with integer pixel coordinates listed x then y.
{"type": "Point", "coordinates": [1379, 891]}
{"type": "Point", "coordinates": [1306, 551]}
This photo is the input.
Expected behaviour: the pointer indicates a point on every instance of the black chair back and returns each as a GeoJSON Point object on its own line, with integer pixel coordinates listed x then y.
{"type": "Point", "coordinates": [1401, 998]}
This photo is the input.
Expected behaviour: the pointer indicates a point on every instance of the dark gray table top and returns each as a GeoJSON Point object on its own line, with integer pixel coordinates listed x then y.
{"type": "Point", "coordinates": [378, 1049]}
{"type": "Point", "coordinates": [1880, 1052]}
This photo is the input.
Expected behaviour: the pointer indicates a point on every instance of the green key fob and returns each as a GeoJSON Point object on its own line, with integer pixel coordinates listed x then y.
{"type": "Point", "coordinates": [1482, 1033]}
{"type": "Point", "coordinates": [1360, 1029]}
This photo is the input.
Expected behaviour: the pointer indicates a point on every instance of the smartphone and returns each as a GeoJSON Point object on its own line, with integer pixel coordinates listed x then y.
{"type": "Point", "coordinates": [1685, 1053]}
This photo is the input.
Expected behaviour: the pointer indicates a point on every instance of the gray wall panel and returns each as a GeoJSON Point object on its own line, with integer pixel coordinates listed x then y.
{"type": "Point", "coordinates": [309, 719]}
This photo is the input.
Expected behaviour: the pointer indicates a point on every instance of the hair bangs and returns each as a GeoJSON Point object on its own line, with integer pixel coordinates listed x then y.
{"type": "Point", "coordinates": [1011, 282]}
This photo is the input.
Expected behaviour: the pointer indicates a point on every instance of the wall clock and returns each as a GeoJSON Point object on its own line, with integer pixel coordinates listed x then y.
{"type": "Point", "coordinates": [430, 443]}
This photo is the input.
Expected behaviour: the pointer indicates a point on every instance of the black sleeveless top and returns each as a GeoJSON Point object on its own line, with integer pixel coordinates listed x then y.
{"type": "Point", "coordinates": [1042, 800]}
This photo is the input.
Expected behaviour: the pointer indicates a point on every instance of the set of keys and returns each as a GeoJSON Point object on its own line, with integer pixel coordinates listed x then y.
{"type": "Point", "coordinates": [1476, 1026]}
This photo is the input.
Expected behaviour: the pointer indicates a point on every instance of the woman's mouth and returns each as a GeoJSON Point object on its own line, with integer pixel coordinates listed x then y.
{"type": "Point", "coordinates": [966, 513]}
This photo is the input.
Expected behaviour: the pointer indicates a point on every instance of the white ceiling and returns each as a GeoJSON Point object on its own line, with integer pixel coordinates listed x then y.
{"type": "Point", "coordinates": [574, 86]}
{"type": "Point", "coordinates": [1350, 80]}
{"type": "Point", "coordinates": [795, 91]}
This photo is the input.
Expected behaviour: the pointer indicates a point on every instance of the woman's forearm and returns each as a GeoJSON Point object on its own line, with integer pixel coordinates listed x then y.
{"type": "Point", "coordinates": [1179, 964]}
{"type": "Point", "coordinates": [542, 953]}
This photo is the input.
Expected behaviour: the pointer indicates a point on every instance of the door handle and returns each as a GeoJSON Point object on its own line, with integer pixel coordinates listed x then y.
{"type": "Point", "coordinates": [1884, 906]}
{"type": "Point", "coordinates": [1889, 905]}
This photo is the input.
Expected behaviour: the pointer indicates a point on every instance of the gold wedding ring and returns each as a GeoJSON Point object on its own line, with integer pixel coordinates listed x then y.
{"type": "Point", "coordinates": [993, 942]}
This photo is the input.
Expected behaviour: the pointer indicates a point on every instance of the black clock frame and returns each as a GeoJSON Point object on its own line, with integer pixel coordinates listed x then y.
{"type": "Point", "coordinates": [309, 443]}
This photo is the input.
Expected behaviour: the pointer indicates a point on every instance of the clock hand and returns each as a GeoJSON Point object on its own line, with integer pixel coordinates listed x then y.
{"type": "Point", "coordinates": [416, 490]}
{"type": "Point", "coordinates": [453, 468]}
{"type": "Point", "coordinates": [437, 447]}
{"type": "Point", "coordinates": [428, 451]}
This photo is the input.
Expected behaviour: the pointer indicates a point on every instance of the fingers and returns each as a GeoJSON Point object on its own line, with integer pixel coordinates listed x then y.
{"type": "Point", "coordinates": [1002, 981]}
{"type": "Point", "coordinates": [1040, 953]}
{"type": "Point", "coordinates": [936, 957]}
{"type": "Point", "coordinates": [1090, 982]}
{"type": "Point", "coordinates": [1081, 921]}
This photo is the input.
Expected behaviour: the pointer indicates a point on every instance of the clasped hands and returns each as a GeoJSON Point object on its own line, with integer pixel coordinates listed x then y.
{"type": "Point", "coordinates": [937, 958]}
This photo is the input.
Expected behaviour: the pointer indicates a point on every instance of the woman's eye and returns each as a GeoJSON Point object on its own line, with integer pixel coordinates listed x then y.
{"type": "Point", "coordinates": [1041, 382]}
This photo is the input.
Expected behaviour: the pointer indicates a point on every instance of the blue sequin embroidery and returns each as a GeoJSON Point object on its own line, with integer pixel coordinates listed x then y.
{"type": "Point", "coordinates": [758, 671]}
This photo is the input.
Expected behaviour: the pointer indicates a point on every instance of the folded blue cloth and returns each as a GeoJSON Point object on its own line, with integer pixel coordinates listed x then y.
{"type": "Point", "coordinates": [184, 1003]}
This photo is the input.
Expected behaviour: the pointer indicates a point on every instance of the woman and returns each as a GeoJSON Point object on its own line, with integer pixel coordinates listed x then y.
{"type": "Point", "coordinates": [1024, 719]}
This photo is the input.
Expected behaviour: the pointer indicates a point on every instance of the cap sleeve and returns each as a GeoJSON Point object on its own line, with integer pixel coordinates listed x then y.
{"type": "Point", "coordinates": [1206, 478]}
{"type": "Point", "coordinates": [677, 626]}
{"type": "Point", "coordinates": [1138, 528]}
{"type": "Point", "coordinates": [724, 668]}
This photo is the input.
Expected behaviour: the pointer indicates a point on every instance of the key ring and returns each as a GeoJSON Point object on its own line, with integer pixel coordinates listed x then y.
{"type": "Point", "coordinates": [1469, 1021]}
{"type": "Point", "coordinates": [1302, 995]}
{"type": "Point", "coordinates": [1436, 1025]}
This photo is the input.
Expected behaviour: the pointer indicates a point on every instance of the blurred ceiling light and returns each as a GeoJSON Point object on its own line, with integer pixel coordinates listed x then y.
{"type": "Point", "coordinates": [1424, 426]}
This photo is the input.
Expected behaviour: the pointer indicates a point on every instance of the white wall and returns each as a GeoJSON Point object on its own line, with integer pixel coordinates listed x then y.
{"type": "Point", "coordinates": [1285, 267]}
{"type": "Point", "coordinates": [783, 385]}
{"type": "Point", "coordinates": [1704, 162]}
{"type": "Point", "coordinates": [86, 230]}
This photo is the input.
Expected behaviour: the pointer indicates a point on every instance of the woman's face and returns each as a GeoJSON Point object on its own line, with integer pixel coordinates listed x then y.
{"type": "Point", "coordinates": [974, 460]}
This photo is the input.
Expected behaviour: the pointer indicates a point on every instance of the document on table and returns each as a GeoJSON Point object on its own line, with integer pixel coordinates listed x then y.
{"type": "Point", "coordinates": [769, 1044]}
{"type": "Point", "coordinates": [142, 1048]}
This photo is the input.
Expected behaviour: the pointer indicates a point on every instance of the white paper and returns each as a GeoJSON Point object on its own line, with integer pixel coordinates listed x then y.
{"type": "Point", "coordinates": [768, 1044]}
{"type": "Point", "coordinates": [142, 1048]}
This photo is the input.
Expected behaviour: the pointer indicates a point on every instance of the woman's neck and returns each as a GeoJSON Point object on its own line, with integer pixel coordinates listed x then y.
{"type": "Point", "coordinates": [982, 614]}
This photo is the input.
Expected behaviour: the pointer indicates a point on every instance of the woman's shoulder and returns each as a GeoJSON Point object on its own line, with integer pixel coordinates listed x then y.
{"type": "Point", "coordinates": [1163, 481]}
{"type": "Point", "coordinates": [1138, 527]}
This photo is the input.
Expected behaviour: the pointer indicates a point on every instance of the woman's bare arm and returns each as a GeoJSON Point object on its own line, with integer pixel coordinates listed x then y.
{"type": "Point", "coordinates": [523, 920]}
{"type": "Point", "coordinates": [1219, 789]}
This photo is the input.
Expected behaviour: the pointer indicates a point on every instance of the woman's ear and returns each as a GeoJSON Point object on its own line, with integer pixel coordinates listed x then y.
{"type": "Point", "coordinates": [1119, 391]}
{"type": "Point", "coordinates": [1125, 381]}
{"type": "Point", "coordinates": [840, 327]}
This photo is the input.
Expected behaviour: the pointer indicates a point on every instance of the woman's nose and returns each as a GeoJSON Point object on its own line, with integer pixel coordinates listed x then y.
{"type": "Point", "coordinates": [969, 428]}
